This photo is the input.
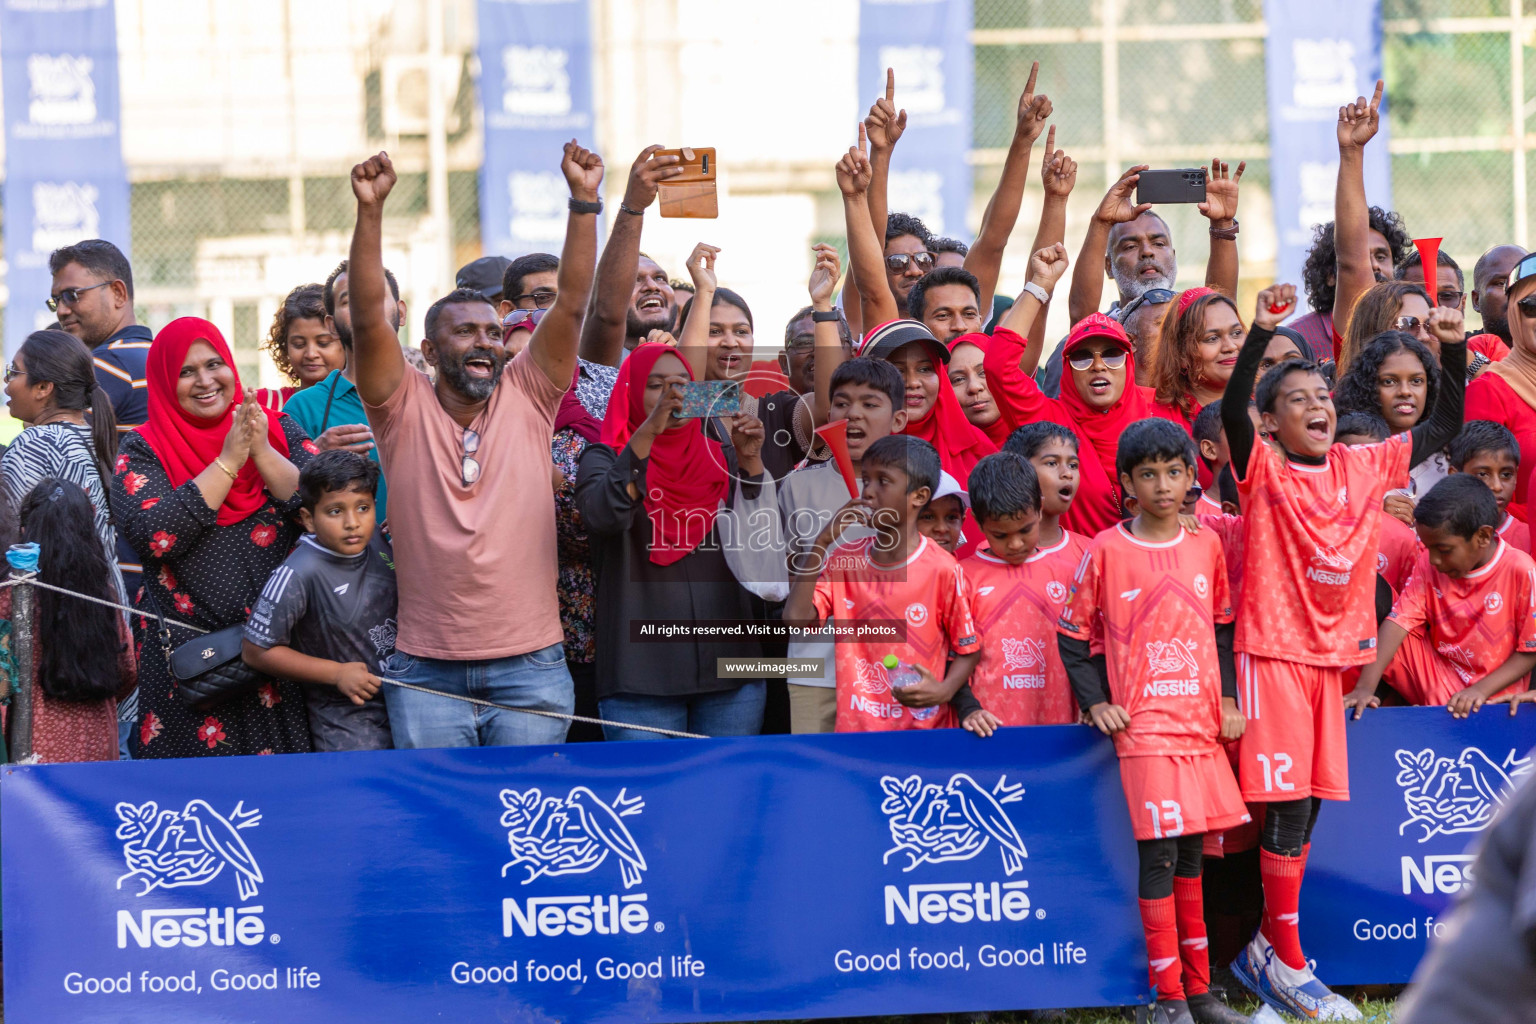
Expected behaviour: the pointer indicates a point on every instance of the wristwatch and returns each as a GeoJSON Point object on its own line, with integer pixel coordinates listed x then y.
{"type": "Point", "coordinates": [582, 206]}
{"type": "Point", "coordinates": [1037, 291]}
{"type": "Point", "coordinates": [831, 316]}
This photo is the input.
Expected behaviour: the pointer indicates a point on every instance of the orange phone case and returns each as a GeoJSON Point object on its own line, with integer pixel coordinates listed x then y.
{"type": "Point", "coordinates": [692, 193]}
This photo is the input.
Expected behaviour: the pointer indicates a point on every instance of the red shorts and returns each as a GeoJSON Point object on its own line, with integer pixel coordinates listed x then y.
{"type": "Point", "coordinates": [1427, 678]}
{"type": "Point", "coordinates": [1239, 838]}
{"type": "Point", "coordinates": [1294, 745]}
{"type": "Point", "coordinates": [1180, 795]}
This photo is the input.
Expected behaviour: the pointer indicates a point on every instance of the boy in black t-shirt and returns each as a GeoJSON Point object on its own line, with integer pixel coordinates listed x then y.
{"type": "Point", "coordinates": [326, 617]}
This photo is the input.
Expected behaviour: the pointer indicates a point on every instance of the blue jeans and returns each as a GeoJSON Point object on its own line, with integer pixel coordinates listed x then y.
{"type": "Point", "coordinates": [538, 680]}
{"type": "Point", "coordinates": [736, 712]}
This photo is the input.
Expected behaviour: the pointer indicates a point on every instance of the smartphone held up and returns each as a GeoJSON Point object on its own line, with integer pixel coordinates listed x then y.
{"type": "Point", "coordinates": [692, 193]}
{"type": "Point", "coordinates": [1176, 185]}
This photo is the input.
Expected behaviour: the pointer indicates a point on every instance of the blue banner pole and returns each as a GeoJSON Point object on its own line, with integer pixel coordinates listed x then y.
{"type": "Point", "coordinates": [927, 43]}
{"type": "Point", "coordinates": [1320, 55]}
{"type": "Point", "coordinates": [536, 95]}
{"type": "Point", "coordinates": [64, 174]}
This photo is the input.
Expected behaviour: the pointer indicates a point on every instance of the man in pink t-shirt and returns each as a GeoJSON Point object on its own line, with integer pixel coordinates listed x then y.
{"type": "Point", "coordinates": [472, 513]}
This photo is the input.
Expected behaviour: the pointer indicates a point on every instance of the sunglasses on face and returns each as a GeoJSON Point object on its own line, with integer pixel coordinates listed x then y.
{"type": "Point", "coordinates": [70, 296]}
{"type": "Point", "coordinates": [1527, 305]}
{"type": "Point", "coordinates": [1407, 323]}
{"type": "Point", "coordinates": [525, 318]}
{"type": "Point", "coordinates": [1113, 358]}
{"type": "Point", "coordinates": [1449, 299]}
{"type": "Point", "coordinates": [897, 263]}
{"type": "Point", "coordinates": [12, 372]}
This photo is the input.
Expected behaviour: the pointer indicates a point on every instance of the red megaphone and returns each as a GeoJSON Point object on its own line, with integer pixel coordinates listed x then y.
{"type": "Point", "coordinates": [835, 434]}
{"type": "Point", "coordinates": [1429, 254]}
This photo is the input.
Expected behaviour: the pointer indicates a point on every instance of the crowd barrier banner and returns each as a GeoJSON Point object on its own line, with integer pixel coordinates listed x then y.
{"type": "Point", "coordinates": [1320, 55]}
{"type": "Point", "coordinates": [64, 173]}
{"type": "Point", "coordinates": [536, 95]}
{"type": "Point", "coordinates": [928, 44]}
{"type": "Point", "coordinates": [764, 878]}
{"type": "Point", "coordinates": [1386, 867]}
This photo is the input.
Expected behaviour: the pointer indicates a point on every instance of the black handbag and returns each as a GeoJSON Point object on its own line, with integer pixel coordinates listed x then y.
{"type": "Point", "coordinates": [207, 669]}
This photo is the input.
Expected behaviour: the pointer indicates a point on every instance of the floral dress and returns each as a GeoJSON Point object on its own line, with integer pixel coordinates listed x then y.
{"type": "Point", "coordinates": [209, 575]}
{"type": "Point", "coordinates": [577, 585]}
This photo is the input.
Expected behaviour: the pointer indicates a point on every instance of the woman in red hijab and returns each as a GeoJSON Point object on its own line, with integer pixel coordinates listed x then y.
{"type": "Point", "coordinates": [969, 379]}
{"type": "Point", "coordinates": [206, 492]}
{"type": "Point", "coordinates": [934, 412]}
{"type": "Point", "coordinates": [1099, 393]}
{"type": "Point", "coordinates": [650, 494]}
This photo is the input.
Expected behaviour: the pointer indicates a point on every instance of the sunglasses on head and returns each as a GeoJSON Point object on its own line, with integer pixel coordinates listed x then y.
{"type": "Point", "coordinates": [1112, 358]}
{"type": "Point", "coordinates": [523, 318]}
{"type": "Point", "coordinates": [897, 262]}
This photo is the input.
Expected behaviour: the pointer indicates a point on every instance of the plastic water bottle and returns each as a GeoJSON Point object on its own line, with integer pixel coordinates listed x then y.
{"type": "Point", "coordinates": [900, 675]}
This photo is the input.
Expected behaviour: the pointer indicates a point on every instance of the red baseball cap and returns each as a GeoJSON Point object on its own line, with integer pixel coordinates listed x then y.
{"type": "Point", "coordinates": [1097, 325]}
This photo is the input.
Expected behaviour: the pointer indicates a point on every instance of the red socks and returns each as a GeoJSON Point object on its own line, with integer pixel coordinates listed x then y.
{"type": "Point", "coordinates": [1282, 901]}
{"type": "Point", "coordinates": [1160, 923]}
{"type": "Point", "coordinates": [1194, 952]}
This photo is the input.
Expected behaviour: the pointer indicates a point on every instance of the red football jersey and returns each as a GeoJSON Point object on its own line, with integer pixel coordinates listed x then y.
{"type": "Point", "coordinates": [927, 593]}
{"type": "Point", "coordinates": [1516, 533]}
{"type": "Point", "coordinates": [1159, 604]}
{"type": "Point", "coordinates": [1312, 534]}
{"type": "Point", "coordinates": [1228, 530]}
{"type": "Point", "coordinates": [1020, 678]}
{"type": "Point", "coordinates": [1478, 621]}
{"type": "Point", "coordinates": [1398, 552]}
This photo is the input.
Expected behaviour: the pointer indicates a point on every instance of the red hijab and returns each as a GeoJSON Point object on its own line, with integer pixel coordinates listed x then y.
{"type": "Point", "coordinates": [186, 444]}
{"type": "Point", "coordinates": [997, 430]}
{"type": "Point", "coordinates": [1098, 431]}
{"type": "Point", "coordinates": [685, 476]}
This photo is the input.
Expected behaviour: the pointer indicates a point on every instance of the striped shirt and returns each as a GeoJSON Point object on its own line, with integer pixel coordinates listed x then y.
{"type": "Point", "coordinates": [120, 372]}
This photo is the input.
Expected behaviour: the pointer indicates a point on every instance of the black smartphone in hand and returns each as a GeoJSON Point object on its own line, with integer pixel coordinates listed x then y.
{"type": "Point", "coordinates": [1178, 185]}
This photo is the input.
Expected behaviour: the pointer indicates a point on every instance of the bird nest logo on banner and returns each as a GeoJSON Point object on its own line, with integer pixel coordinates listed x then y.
{"type": "Point", "coordinates": [1445, 796]}
{"type": "Point", "coordinates": [957, 821]}
{"type": "Point", "coordinates": [549, 836]}
{"type": "Point", "coordinates": [168, 849]}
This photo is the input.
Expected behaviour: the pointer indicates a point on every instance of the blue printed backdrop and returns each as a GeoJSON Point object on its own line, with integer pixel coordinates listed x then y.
{"type": "Point", "coordinates": [766, 878]}
{"type": "Point", "coordinates": [536, 94]}
{"type": "Point", "coordinates": [64, 174]}
{"type": "Point", "coordinates": [928, 44]}
{"type": "Point", "coordinates": [1385, 867]}
{"type": "Point", "coordinates": [1320, 55]}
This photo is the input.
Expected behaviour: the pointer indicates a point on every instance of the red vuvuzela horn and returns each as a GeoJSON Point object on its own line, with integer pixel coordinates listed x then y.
{"type": "Point", "coordinates": [835, 434]}
{"type": "Point", "coordinates": [1429, 253]}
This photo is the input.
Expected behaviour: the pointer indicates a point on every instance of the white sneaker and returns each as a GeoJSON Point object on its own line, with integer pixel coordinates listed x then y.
{"type": "Point", "coordinates": [1297, 992]}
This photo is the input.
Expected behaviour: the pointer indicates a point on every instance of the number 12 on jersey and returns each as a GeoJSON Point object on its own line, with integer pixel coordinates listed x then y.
{"type": "Point", "coordinates": [1274, 777]}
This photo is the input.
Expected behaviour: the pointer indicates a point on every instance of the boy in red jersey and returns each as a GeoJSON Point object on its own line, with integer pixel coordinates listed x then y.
{"type": "Point", "coordinates": [1488, 451]}
{"type": "Point", "coordinates": [1399, 547]}
{"type": "Point", "coordinates": [1312, 519]}
{"type": "Point", "coordinates": [1166, 694]}
{"type": "Point", "coordinates": [1052, 450]}
{"type": "Point", "coordinates": [1462, 631]}
{"type": "Point", "coordinates": [897, 576]}
{"type": "Point", "coordinates": [1016, 596]}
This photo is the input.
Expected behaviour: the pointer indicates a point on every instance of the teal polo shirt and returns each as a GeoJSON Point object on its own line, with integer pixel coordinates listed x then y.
{"type": "Point", "coordinates": [308, 410]}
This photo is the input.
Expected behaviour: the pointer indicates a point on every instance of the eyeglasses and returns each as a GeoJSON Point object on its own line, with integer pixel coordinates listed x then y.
{"type": "Point", "coordinates": [1195, 493]}
{"type": "Point", "coordinates": [1084, 360]}
{"type": "Point", "coordinates": [70, 296]}
{"type": "Point", "coordinates": [896, 263]}
{"type": "Point", "coordinates": [1449, 299]}
{"type": "Point", "coordinates": [1407, 323]}
{"type": "Point", "coordinates": [469, 468]}
{"type": "Point", "coordinates": [528, 318]}
{"type": "Point", "coordinates": [542, 298]}
{"type": "Point", "coordinates": [11, 372]}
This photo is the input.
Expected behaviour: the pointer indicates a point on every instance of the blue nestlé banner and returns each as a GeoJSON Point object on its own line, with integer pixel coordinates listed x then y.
{"type": "Point", "coordinates": [64, 174]}
{"type": "Point", "coordinates": [690, 881]}
{"type": "Point", "coordinates": [536, 95]}
{"type": "Point", "coordinates": [1385, 867]}
{"type": "Point", "coordinates": [928, 44]}
{"type": "Point", "coordinates": [1320, 55]}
